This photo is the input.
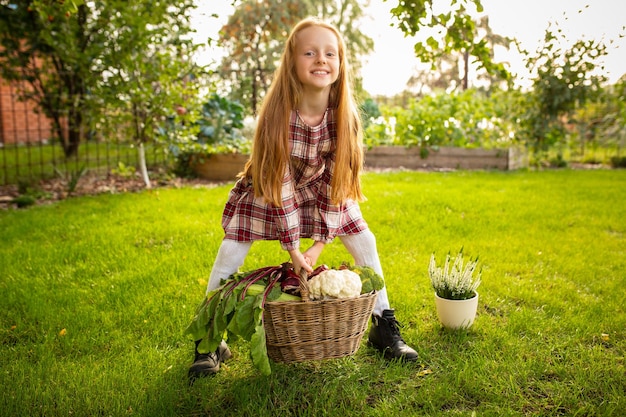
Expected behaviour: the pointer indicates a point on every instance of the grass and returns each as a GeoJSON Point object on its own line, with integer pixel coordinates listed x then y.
{"type": "Point", "coordinates": [33, 162]}
{"type": "Point", "coordinates": [96, 292]}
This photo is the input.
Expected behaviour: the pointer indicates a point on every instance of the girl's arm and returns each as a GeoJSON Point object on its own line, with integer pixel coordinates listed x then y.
{"type": "Point", "coordinates": [299, 261]}
{"type": "Point", "coordinates": [307, 259]}
{"type": "Point", "coordinates": [312, 254]}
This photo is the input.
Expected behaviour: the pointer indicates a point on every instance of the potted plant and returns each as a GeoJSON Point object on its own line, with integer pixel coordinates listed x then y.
{"type": "Point", "coordinates": [455, 285]}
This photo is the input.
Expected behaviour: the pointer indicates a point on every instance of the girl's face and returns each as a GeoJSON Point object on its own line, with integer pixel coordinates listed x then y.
{"type": "Point", "coordinates": [317, 58]}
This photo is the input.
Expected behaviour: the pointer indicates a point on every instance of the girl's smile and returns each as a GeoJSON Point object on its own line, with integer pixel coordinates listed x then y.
{"type": "Point", "coordinates": [317, 58]}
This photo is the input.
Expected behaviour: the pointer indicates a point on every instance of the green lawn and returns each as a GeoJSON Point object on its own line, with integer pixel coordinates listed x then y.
{"type": "Point", "coordinates": [96, 292]}
{"type": "Point", "coordinates": [43, 161]}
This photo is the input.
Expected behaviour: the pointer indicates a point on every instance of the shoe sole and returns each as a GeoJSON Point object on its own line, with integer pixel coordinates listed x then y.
{"type": "Point", "coordinates": [388, 353]}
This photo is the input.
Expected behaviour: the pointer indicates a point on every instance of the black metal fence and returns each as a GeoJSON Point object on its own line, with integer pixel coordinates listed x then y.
{"type": "Point", "coordinates": [29, 152]}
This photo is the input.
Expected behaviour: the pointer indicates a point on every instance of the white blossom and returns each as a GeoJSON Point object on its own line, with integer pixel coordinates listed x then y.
{"type": "Point", "coordinates": [454, 281]}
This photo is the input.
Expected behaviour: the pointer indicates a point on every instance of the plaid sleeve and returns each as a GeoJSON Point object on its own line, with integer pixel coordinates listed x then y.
{"type": "Point", "coordinates": [286, 217]}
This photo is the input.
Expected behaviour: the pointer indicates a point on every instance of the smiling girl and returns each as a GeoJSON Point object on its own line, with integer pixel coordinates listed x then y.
{"type": "Point", "coordinates": [303, 178]}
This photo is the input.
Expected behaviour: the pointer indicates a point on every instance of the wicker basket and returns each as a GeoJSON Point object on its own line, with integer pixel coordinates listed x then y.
{"type": "Point", "coordinates": [313, 330]}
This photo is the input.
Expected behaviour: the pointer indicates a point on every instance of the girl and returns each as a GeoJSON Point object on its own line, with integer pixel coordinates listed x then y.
{"type": "Point", "coordinates": [303, 178]}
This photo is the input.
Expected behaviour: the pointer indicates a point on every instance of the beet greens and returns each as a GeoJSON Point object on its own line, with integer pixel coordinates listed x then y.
{"type": "Point", "coordinates": [231, 311]}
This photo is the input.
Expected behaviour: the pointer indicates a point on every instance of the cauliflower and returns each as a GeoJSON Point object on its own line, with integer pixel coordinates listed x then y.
{"type": "Point", "coordinates": [334, 283]}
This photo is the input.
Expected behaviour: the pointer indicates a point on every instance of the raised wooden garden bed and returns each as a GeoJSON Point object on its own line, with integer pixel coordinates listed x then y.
{"type": "Point", "coordinates": [225, 167]}
{"type": "Point", "coordinates": [220, 167]}
{"type": "Point", "coordinates": [445, 158]}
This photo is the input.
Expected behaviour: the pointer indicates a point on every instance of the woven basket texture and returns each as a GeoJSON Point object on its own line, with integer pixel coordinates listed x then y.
{"type": "Point", "coordinates": [314, 330]}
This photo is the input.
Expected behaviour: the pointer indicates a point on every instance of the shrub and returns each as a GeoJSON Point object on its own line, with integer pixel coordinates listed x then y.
{"type": "Point", "coordinates": [618, 162]}
{"type": "Point", "coordinates": [467, 119]}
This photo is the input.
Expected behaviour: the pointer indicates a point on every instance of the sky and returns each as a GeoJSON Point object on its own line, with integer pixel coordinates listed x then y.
{"type": "Point", "coordinates": [388, 68]}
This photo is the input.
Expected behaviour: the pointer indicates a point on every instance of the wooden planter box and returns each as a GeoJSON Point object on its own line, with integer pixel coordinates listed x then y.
{"type": "Point", "coordinates": [445, 158]}
{"type": "Point", "coordinates": [220, 167]}
{"type": "Point", "coordinates": [225, 167]}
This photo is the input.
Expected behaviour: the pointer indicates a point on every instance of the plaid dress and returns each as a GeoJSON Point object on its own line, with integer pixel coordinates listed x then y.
{"type": "Point", "coordinates": [307, 211]}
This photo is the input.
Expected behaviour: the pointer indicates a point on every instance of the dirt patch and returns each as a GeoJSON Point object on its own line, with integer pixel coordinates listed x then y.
{"type": "Point", "coordinates": [50, 191]}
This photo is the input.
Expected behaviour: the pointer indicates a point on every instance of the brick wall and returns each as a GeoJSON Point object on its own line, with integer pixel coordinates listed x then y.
{"type": "Point", "coordinates": [19, 121]}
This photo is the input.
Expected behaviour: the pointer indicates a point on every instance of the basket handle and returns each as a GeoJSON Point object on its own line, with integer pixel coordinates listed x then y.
{"type": "Point", "coordinates": [304, 288]}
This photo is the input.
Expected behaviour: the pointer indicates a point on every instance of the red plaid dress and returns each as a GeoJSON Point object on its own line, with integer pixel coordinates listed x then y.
{"type": "Point", "coordinates": [307, 211]}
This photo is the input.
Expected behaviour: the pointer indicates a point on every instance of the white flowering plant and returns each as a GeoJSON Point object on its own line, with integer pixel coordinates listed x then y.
{"type": "Point", "coordinates": [455, 281]}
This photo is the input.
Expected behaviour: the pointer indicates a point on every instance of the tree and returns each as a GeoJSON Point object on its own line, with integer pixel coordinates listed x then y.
{"type": "Point", "coordinates": [150, 87]}
{"type": "Point", "coordinates": [458, 29]}
{"type": "Point", "coordinates": [50, 46]}
{"type": "Point", "coordinates": [613, 115]}
{"type": "Point", "coordinates": [446, 76]}
{"type": "Point", "coordinates": [254, 38]}
{"type": "Point", "coordinates": [492, 40]}
{"type": "Point", "coordinates": [255, 35]}
{"type": "Point", "coordinates": [453, 68]}
{"type": "Point", "coordinates": [99, 64]}
{"type": "Point", "coordinates": [565, 80]}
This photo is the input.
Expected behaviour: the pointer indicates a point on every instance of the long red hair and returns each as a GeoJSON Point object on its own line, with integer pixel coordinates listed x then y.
{"type": "Point", "coordinates": [270, 149]}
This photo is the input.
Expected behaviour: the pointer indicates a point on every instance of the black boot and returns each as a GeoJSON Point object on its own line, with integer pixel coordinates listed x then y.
{"type": "Point", "coordinates": [206, 364]}
{"type": "Point", "coordinates": [385, 336]}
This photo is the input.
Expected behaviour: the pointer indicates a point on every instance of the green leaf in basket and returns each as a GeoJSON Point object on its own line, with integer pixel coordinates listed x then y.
{"type": "Point", "coordinates": [258, 309]}
{"type": "Point", "coordinates": [242, 323]}
{"type": "Point", "coordinates": [220, 321]}
{"type": "Point", "coordinates": [230, 301]}
{"type": "Point", "coordinates": [196, 329]}
{"type": "Point", "coordinates": [208, 345]}
{"type": "Point", "coordinates": [274, 293]}
{"type": "Point", "coordinates": [258, 351]}
{"type": "Point", "coordinates": [205, 313]}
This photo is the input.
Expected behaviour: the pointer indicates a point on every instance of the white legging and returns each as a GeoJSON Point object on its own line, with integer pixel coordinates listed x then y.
{"type": "Point", "coordinates": [362, 247]}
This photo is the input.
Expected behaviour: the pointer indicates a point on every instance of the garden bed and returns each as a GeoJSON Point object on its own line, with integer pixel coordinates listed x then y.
{"type": "Point", "coordinates": [225, 167]}
{"type": "Point", "coordinates": [220, 167]}
{"type": "Point", "coordinates": [445, 158]}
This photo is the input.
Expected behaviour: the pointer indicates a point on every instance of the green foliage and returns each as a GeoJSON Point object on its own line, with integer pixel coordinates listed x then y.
{"type": "Point", "coordinates": [123, 170]}
{"type": "Point", "coordinates": [235, 310]}
{"type": "Point", "coordinates": [254, 38]}
{"type": "Point", "coordinates": [152, 84]}
{"type": "Point", "coordinates": [505, 118]}
{"type": "Point", "coordinates": [458, 31]}
{"type": "Point", "coordinates": [618, 162]}
{"type": "Point", "coordinates": [601, 122]}
{"type": "Point", "coordinates": [380, 131]}
{"type": "Point", "coordinates": [369, 112]}
{"type": "Point", "coordinates": [75, 176]}
{"type": "Point", "coordinates": [221, 122]}
{"type": "Point", "coordinates": [85, 79]}
{"type": "Point", "coordinates": [48, 51]}
{"type": "Point", "coordinates": [466, 119]}
{"type": "Point", "coordinates": [24, 200]}
{"type": "Point", "coordinates": [219, 126]}
{"type": "Point", "coordinates": [229, 310]}
{"type": "Point", "coordinates": [565, 79]}
{"type": "Point", "coordinates": [29, 193]}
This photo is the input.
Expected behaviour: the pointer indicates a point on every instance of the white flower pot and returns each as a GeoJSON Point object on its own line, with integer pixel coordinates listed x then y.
{"type": "Point", "coordinates": [456, 314]}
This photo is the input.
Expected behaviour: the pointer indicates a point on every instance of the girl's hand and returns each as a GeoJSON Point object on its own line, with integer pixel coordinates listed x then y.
{"type": "Point", "coordinates": [299, 261]}
{"type": "Point", "coordinates": [313, 253]}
